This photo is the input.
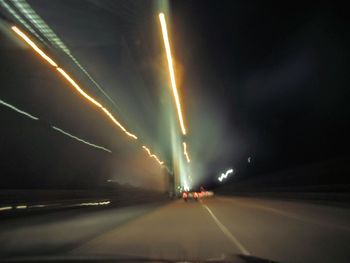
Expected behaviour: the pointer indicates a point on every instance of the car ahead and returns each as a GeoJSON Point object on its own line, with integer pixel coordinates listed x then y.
{"type": "Point", "coordinates": [196, 195]}
{"type": "Point", "coordinates": [190, 195]}
{"type": "Point", "coordinates": [185, 196]}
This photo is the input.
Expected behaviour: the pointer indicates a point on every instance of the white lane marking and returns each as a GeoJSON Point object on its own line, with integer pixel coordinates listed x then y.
{"type": "Point", "coordinates": [286, 214]}
{"type": "Point", "coordinates": [227, 232]}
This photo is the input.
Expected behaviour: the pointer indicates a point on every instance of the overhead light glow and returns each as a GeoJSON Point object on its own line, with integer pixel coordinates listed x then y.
{"type": "Point", "coordinates": [34, 46]}
{"type": "Point", "coordinates": [185, 152]}
{"type": "Point", "coordinates": [171, 71]}
{"type": "Point", "coordinates": [186, 187]}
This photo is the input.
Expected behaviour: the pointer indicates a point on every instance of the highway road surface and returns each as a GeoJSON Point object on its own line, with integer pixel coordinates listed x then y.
{"type": "Point", "coordinates": [215, 228]}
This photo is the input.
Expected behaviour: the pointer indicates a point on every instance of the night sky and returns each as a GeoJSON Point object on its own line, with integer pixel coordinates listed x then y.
{"type": "Point", "coordinates": [277, 72]}
{"type": "Point", "coordinates": [262, 80]}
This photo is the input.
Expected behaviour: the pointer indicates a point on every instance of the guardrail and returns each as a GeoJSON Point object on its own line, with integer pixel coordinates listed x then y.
{"type": "Point", "coordinates": [24, 201]}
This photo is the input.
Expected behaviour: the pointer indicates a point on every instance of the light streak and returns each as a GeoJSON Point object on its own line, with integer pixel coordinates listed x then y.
{"type": "Point", "coordinates": [88, 97]}
{"type": "Point", "coordinates": [70, 80]}
{"type": "Point", "coordinates": [80, 140]}
{"type": "Point", "coordinates": [53, 127]}
{"type": "Point", "coordinates": [5, 208]}
{"type": "Point", "coordinates": [186, 187]}
{"type": "Point", "coordinates": [24, 23]}
{"type": "Point", "coordinates": [34, 46]}
{"type": "Point", "coordinates": [49, 34]}
{"type": "Point", "coordinates": [185, 152]}
{"type": "Point", "coordinates": [224, 175]}
{"type": "Point", "coordinates": [171, 71]}
{"type": "Point", "coordinates": [118, 123]}
{"type": "Point", "coordinates": [91, 99]}
{"type": "Point", "coordinates": [152, 155]}
{"type": "Point", "coordinates": [25, 9]}
{"type": "Point", "coordinates": [37, 206]}
{"type": "Point", "coordinates": [21, 207]}
{"type": "Point", "coordinates": [76, 86]}
{"type": "Point", "coordinates": [18, 110]}
{"type": "Point", "coordinates": [95, 203]}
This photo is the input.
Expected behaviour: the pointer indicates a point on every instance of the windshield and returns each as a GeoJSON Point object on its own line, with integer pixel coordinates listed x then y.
{"type": "Point", "coordinates": [174, 130]}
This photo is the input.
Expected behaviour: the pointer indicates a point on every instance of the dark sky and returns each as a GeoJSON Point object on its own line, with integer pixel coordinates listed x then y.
{"type": "Point", "coordinates": [279, 72]}
{"type": "Point", "coordinates": [257, 79]}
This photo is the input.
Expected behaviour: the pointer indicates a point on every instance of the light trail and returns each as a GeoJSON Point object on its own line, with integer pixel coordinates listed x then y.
{"type": "Point", "coordinates": [5, 208]}
{"type": "Point", "coordinates": [53, 127]}
{"type": "Point", "coordinates": [76, 86]}
{"type": "Point", "coordinates": [18, 110]}
{"type": "Point", "coordinates": [21, 207]}
{"type": "Point", "coordinates": [152, 155]}
{"type": "Point", "coordinates": [24, 23]}
{"type": "Point", "coordinates": [185, 152]}
{"type": "Point", "coordinates": [95, 203]}
{"type": "Point", "coordinates": [29, 13]}
{"type": "Point", "coordinates": [118, 123]}
{"type": "Point", "coordinates": [87, 96]}
{"type": "Point", "coordinates": [224, 175]}
{"type": "Point", "coordinates": [34, 46]}
{"type": "Point", "coordinates": [80, 140]}
{"type": "Point", "coordinates": [171, 71]}
{"type": "Point", "coordinates": [70, 80]}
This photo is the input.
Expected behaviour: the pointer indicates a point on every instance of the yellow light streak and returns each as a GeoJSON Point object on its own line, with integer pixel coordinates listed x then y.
{"type": "Point", "coordinates": [118, 123]}
{"type": "Point", "coordinates": [185, 152]}
{"type": "Point", "coordinates": [33, 45]}
{"type": "Point", "coordinates": [82, 92]}
{"type": "Point", "coordinates": [70, 80]}
{"type": "Point", "coordinates": [76, 86]}
{"type": "Point", "coordinates": [171, 71]}
{"type": "Point", "coordinates": [152, 155]}
{"type": "Point", "coordinates": [95, 102]}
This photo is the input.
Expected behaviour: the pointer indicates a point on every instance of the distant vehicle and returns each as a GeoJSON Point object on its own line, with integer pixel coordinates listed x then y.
{"type": "Point", "coordinates": [190, 195]}
{"type": "Point", "coordinates": [185, 196]}
{"type": "Point", "coordinates": [196, 195]}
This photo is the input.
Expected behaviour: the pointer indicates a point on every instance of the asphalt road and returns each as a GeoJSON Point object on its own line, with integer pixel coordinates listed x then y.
{"type": "Point", "coordinates": [215, 228]}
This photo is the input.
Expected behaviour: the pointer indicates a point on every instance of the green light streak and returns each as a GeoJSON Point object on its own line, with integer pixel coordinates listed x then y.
{"type": "Point", "coordinates": [24, 23]}
{"type": "Point", "coordinates": [28, 12]}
